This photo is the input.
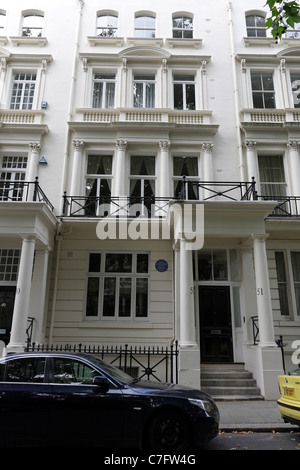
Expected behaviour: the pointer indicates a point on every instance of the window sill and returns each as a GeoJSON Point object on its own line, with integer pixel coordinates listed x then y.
{"type": "Point", "coordinates": [26, 41]}
{"type": "Point", "coordinates": [116, 323]}
{"type": "Point", "coordinates": [102, 41]}
{"type": "Point", "coordinates": [158, 42]}
{"type": "Point", "coordinates": [181, 42]}
{"type": "Point", "coordinates": [260, 42]}
{"type": "Point", "coordinates": [290, 41]}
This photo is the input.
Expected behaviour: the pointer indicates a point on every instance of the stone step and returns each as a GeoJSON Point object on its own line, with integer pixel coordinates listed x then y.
{"type": "Point", "coordinates": [229, 384]}
{"type": "Point", "coordinates": [232, 382]}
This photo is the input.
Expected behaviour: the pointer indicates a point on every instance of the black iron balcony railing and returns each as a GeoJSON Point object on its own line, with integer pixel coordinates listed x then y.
{"type": "Point", "coordinates": [132, 206]}
{"type": "Point", "coordinates": [191, 191]}
{"type": "Point", "coordinates": [24, 191]}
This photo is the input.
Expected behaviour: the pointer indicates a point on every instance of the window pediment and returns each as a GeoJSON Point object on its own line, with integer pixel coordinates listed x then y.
{"type": "Point", "coordinates": [144, 51]}
{"type": "Point", "coordinates": [293, 52]}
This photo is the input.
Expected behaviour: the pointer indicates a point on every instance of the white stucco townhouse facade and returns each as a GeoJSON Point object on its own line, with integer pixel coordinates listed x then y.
{"type": "Point", "coordinates": [117, 117]}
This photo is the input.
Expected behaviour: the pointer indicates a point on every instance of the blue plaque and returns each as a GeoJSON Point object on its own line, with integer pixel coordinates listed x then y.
{"type": "Point", "coordinates": [161, 265]}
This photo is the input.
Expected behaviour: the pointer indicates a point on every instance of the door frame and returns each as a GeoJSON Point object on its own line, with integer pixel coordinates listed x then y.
{"type": "Point", "coordinates": [216, 330]}
{"type": "Point", "coordinates": [230, 285]}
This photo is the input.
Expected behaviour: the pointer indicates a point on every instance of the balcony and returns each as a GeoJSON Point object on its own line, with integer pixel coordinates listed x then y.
{"type": "Point", "coordinates": [143, 115]}
{"type": "Point", "coordinates": [23, 191]}
{"type": "Point", "coordinates": [156, 207]}
{"type": "Point", "coordinates": [21, 116]}
{"type": "Point", "coordinates": [270, 116]}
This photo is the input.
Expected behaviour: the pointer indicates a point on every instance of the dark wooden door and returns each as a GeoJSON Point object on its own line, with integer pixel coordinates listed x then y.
{"type": "Point", "coordinates": [215, 324]}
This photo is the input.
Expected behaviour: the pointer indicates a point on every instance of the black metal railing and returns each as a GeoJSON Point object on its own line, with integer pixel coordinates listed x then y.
{"type": "Point", "coordinates": [255, 329]}
{"type": "Point", "coordinates": [287, 206]}
{"type": "Point", "coordinates": [29, 191]}
{"type": "Point", "coordinates": [131, 206]}
{"type": "Point", "coordinates": [191, 191]}
{"type": "Point", "coordinates": [142, 362]}
{"type": "Point", "coordinates": [233, 191]}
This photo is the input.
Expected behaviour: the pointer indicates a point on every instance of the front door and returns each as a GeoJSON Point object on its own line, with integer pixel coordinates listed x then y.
{"type": "Point", "coordinates": [7, 300]}
{"type": "Point", "coordinates": [215, 324]}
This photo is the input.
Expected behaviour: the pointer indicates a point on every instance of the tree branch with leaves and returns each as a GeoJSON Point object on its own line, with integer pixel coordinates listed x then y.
{"type": "Point", "coordinates": [282, 15]}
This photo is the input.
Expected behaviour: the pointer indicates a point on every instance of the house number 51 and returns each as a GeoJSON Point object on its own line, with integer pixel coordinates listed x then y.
{"type": "Point", "coordinates": [259, 291]}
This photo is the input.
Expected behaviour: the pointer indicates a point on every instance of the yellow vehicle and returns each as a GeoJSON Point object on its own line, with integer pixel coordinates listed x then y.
{"type": "Point", "coordinates": [289, 401]}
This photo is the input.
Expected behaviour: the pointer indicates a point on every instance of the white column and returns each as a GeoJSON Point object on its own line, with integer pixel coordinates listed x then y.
{"type": "Point", "coordinates": [293, 146]}
{"type": "Point", "coordinates": [124, 83]}
{"type": "Point", "coordinates": [207, 161]}
{"type": "Point", "coordinates": [164, 79]}
{"type": "Point", "coordinates": [163, 170]}
{"type": "Point", "coordinates": [21, 308]}
{"type": "Point", "coordinates": [32, 170]}
{"type": "Point", "coordinates": [187, 308]}
{"type": "Point", "coordinates": [263, 295]}
{"type": "Point", "coordinates": [207, 168]}
{"type": "Point", "coordinates": [78, 146]}
{"type": "Point", "coordinates": [119, 169]}
{"type": "Point", "coordinates": [251, 160]}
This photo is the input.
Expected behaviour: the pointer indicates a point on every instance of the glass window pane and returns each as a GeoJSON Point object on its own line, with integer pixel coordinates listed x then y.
{"type": "Point", "coordinates": [256, 81]}
{"type": "Point", "coordinates": [205, 272]}
{"type": "Point", "coordinates": [250, 20]}
{"type": "Point", "coordinates": [297, 296]}
{"type": "Point", "coordinates": [190, 96]}
{"type": "Point", "coordinates": [296, 265]}
{"type": "Point", "coordinates": [99, 165]}
{"type": "Point", "coordinates": [92, 297]}
{"type": "Point", "coordinates": [142, 165]}
{"type": "Point", "coordinates": [142, 263]}
{"type": "Point", "coordinates": [178, 96]}
{"type": "Point", "coordinates": [138, 95]}
{"type": "Point", "coordinates": [118, 263]}
{"type": "Point", "coordinates": [125, 297]}
{"type": "Point", "coordinates": [185, 166]}
{"type": "Point", "coordinates": [220, 265]}
{"type": "Point", "coordinates": [269, 100]}
{"type": "Point", "coordinates": [70, 371]}
{"type": "Point", "coordinates": [141, 309]}
{"type": "Point", "coordinates": [267, 81]}
{"type": "Point", "coordinates": [109, 297]}
{"type": "Point", "coordinates": [178, 22]}
{"type": "Point", "coordinates": [280, 266]}
{"type": "Point", "coordinates": [94, 262]}
{"type": "Point", "coordinates": [26, 370]}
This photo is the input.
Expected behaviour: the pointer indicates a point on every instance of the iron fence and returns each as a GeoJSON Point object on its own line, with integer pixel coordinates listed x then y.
{"type": "Point", "coordinates": [142, 362]}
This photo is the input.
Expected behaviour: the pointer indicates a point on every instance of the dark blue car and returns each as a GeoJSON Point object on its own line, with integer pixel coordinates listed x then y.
{"type": "Point", "coordinates": [77, 399]}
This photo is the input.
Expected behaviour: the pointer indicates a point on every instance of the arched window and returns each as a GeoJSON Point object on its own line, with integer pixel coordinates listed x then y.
{"type": "Point", "coordinates": [107, 25]}
{"type": "Point", "coordinates": [182, 27]}
{"type": "Point", "coordinates": [144, 26]}
{"type": "Point", "coordinates": [33, 24]}
{"type": "Point", "coordinates": [256, 26]}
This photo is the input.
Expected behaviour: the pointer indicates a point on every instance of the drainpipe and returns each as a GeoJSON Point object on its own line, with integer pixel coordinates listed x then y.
{"type": "Point", "coordinates": [236, 93]}
{"type": "Point", "coordinates": [72, 94]}
{"type": "Point", "coordinates": [59, 239]}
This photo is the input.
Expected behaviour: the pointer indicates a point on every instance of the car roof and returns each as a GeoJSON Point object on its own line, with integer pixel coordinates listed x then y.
{"type": "Point", "coordinates": [89, 357]}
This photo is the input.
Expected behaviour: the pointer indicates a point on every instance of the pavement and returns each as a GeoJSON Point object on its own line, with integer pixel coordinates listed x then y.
{"type": "Point", "coordinates": [252, 415]}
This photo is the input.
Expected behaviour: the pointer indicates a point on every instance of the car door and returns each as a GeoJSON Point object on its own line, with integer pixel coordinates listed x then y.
{"type": "Point", "coordinates": [81, 412]}
{"type": "Point", "coordinates": [24, 401]}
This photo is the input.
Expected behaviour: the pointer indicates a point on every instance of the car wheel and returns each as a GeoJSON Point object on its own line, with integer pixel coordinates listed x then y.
{"type": "Point", "coordinates": [169, 431]}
